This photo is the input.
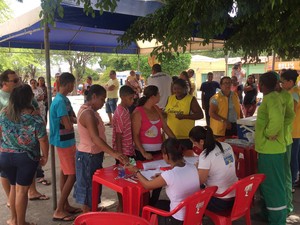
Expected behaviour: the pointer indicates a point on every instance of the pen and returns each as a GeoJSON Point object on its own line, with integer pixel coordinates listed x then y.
{"type": "Point", "coordinates": [130, 180]}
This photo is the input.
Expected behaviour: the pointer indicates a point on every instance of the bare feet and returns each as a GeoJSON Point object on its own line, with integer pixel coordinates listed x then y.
{"type": "Point", "coordinates": [10, 222]}
{"type": "Point", "coordinates": [34, 194]}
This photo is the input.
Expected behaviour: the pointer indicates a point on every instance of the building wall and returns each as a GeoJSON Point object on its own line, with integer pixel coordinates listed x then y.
{"type": "Point", "coordinates": [251, 68]}
{"type": "Point", "coordinates": [202, 68]}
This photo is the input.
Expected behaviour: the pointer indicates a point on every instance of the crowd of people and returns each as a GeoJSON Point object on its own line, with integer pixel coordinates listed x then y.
{"type": "Point", "coordinates": [156, 120]}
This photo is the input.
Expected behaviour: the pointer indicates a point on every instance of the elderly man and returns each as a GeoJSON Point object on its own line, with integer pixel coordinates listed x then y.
{"type": "Point", "coordinates": [163, 82]}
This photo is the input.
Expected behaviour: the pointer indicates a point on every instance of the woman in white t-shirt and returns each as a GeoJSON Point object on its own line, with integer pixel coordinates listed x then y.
{"type": "Point", "coordinates": [216, 166]}
{"type": "Point", "coordinates": [177, 188]}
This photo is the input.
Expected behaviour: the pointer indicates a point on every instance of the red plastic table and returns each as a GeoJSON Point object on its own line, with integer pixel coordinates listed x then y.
{"type": "Point", "coordinates": [132, 193]}
{"type": "Point", "coordinates": [246, 160]}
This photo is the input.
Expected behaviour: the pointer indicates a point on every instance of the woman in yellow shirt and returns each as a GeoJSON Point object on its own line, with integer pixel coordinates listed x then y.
{"type": "Point", "coordinates": [182, 110]}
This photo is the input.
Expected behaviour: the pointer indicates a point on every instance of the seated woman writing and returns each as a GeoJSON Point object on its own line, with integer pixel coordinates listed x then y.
{"type": "Point", "coordinates": [216, 166]}
{"type": "Point", "coordinates": [176, 190]}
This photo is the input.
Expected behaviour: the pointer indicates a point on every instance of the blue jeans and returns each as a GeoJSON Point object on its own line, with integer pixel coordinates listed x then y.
{"type": "Point", "coordinates": [295, 159]}
{"type": "Point", "coordinates": [86, 165]}
{"type": "Point", "coordinates": [111, 105]}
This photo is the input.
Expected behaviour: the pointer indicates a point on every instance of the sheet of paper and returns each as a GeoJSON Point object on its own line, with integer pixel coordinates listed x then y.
{"type": "Point", "coordinates": [156, 164]}
{"type": "Point", "coordinates": [192, 159]}
{"type": "Point", "coordinates": [150, 173]}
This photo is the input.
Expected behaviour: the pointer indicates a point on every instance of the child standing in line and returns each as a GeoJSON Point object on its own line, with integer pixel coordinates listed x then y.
{"type": "Point", "coordinates": [62, 136]}
{"type": "Point", "coordinates": [122, 133]}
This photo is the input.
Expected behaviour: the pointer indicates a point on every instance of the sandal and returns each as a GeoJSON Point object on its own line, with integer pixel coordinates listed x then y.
{"type": "Point", "coordinates": [40, 197]}
{"type": "Point", "coordinates": [43, 181]}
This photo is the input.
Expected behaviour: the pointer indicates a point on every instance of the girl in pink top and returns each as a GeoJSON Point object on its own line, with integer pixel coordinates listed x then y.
{"type": "Point", "coordinates": [92, 145]}
{"type": "Point", "coordinates": [147, 125]}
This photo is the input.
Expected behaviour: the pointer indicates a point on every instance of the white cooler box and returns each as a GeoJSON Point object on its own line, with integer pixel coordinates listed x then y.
{"type": "Point", "coordinates": [246, 128]}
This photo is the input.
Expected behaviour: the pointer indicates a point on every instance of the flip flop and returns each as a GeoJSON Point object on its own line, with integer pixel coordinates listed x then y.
{"type": "Point", "coordinates": [67, 218]}
{"type": "Point", "coordinates": [41, 197]}
{"type": "Point", "coordinates": [75, 211]}
{"type": "Point", "coordinates": [43, 181]}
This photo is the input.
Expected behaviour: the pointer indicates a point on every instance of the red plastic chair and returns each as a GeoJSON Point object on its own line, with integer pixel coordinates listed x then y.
{"type": "Point", "coordinates": [195, 206]}
{"type": "Point", "coordinates": [110, 218]}
{"type": "Point", "coordinates": [244, 193]}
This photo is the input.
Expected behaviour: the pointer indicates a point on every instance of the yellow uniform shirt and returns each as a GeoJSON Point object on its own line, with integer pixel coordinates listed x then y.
{"type": "Point", "coordinates": [180, 128]}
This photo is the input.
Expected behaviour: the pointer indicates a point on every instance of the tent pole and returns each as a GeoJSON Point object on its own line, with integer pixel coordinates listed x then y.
{"type": "Point", "coordinates": [48, 76]}
{"type": "Point", "coordinates": [273, 60]}
{"type": "Point", "coordinates": [139, 61]}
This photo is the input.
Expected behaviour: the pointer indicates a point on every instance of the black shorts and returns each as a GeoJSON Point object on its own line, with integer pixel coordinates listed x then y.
{"type": "Point", "coordinates": [18, 167]}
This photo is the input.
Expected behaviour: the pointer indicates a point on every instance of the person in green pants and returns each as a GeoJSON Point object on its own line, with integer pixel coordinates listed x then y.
{"type": "Point", "coordinates": [289, 116]}
{"type": "Point", "coordinates": [271, 147]}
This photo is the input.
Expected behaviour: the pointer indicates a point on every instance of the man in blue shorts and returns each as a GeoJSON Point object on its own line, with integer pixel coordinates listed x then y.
{"type": "Point", "coordinates": [112, 88]}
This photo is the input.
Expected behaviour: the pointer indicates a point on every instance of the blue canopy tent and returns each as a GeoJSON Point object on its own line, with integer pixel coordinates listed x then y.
{"type": "Point", "coordinates": [76, 31]}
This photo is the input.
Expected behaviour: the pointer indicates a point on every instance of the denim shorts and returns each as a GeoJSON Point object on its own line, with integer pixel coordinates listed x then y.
{"type": "Point", "coordinates": [86, 165]}
{"type": "Point", "coordinates": [18, 168]}
{"type": "Point", "coordinates": [111, 105]}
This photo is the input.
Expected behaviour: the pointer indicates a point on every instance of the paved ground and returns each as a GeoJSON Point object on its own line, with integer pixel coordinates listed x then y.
{"type": "Point", "coordinates": [41, 212]}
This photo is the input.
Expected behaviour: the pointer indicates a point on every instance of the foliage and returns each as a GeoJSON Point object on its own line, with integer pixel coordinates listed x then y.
{"type": "Point", "coordinates": [256, 27]}
{"type": "Point", "coordinates": [105, 76]}
{"type": "Point", "coordinates": [5, 11]}
{"type": "Point", "coordinates": [118, 62]}
{"type": "Point", "coordinates": [78, 62]}
{"type": "Point", "coordinates": [172, 65]}
{"type": "Point", "coordinates": [92, 73]}
{"type": "Point", "coordinates": [175, 65]}
{"type": "Point", "coordinates": [27, 63]}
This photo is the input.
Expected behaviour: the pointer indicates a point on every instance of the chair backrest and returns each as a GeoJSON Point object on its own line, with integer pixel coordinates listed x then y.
{"type": "Point", "coordinates": [244, 193]}
{"type": "Point", "coordinates": [195, 205]}
{"type": "Point", "coordinates": [109, 218]}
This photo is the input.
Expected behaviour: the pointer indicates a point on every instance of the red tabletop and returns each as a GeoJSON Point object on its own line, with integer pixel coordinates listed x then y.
{"type": "Point", "coordinates": [131, 192]}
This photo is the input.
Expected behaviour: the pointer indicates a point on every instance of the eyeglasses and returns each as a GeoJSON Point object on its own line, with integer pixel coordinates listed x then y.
{"type": "Point", "coordinates": [227, 83]}
{"type": "Point", "coordinates": [14, 80]}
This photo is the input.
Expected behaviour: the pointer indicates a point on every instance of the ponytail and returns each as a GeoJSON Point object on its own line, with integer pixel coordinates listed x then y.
{"type": "Point", "coordinates": [206, 134]}
{"type": "Point", "coordinates": [149, 91]}
{"type": "Point", "coordinates": [142, 101]}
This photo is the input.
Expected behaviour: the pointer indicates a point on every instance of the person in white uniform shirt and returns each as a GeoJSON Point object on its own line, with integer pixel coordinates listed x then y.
{"type": "Point", "coordinates": [163, 82]}
{"type": "Point", "coordinates": [176, 189]}
{"type": "Point", "coordinates": [216, 166]}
